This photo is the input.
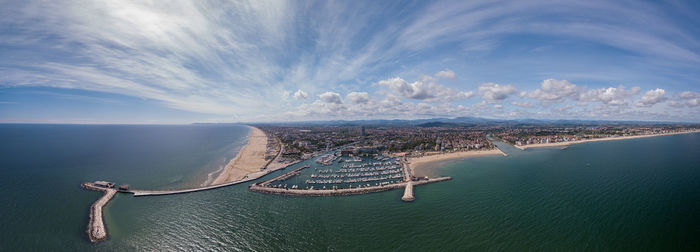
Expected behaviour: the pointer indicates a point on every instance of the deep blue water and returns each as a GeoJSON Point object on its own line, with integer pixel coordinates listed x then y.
{"type": "Point", "coordinates": [638, 194]}
{"type": "Point", "coordinates": [42, 167]}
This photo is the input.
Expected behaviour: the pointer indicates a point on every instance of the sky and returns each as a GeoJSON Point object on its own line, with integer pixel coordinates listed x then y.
{"type": "Point", "coordinates": [271, 61]}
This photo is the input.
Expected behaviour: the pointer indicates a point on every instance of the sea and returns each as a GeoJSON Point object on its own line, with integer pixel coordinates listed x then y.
{"type": "Point", "coordinates": [627, 195]}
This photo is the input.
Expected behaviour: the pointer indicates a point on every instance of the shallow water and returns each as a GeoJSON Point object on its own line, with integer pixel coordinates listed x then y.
{"type": "Point", "coordinates": [638, 194]}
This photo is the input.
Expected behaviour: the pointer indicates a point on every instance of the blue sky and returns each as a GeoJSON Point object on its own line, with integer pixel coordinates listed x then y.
{"type": "Point", "coordinates": [221, 61]}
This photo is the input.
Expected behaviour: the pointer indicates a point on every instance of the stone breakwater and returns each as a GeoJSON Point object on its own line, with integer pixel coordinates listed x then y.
{"type": "Point", "coordinates": [408, 192]}
{"type": "Point", "coordinates": [260, 187]}
{"type": "Point", "coordinates": [96, 227]}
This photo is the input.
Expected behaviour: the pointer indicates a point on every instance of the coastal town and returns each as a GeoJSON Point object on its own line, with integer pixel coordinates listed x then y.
{"type": "Point", "coordinates": [524, 137]}
{"type": "Point", "coordinates": [306, 142]}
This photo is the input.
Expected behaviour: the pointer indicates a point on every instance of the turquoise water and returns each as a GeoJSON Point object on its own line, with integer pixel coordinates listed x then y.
{"type": "Point", "coordinates": [638, 194]}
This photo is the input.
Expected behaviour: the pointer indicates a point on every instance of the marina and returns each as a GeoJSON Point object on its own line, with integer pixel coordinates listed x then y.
{"type": "Point", "coordinates": [356, 175]}
{"type": "Point", "coordinates": [352, 172]}
{"type": "Point", "coordinates": [327, 159]}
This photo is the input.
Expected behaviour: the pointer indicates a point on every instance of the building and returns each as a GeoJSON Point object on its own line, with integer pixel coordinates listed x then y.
{"type": "Point", "coordinates": [104, 184]}
{"type": "Point", "coordinates": [347, 151]}
{"type": "Point", "coordinates": [366, 151]}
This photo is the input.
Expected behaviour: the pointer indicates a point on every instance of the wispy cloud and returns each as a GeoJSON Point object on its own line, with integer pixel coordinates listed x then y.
{"type": "Point", "coordinates": [236, 59]}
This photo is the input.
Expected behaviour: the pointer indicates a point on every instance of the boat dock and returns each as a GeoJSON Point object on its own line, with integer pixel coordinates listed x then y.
{"type": "Point", "coordinates": [96, 227]}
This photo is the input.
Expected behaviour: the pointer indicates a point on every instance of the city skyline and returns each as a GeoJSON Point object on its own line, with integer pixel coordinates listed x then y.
{"type": "Point", "coordinates": [259, 61]}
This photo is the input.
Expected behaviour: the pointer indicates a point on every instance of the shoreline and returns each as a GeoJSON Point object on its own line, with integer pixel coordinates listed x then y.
{"type": "Point", "coordinates": [236, 166]}
{"type": "Point", "coordinates": [524, 147]}
{"type": "Point", "coordinates": [420, 162]}
{"type": "Point", "coordinates": [250, 159]}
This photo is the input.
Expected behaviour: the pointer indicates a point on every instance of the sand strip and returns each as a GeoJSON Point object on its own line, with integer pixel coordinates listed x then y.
{"type": "Point", "coordinates": [250, 159]}
{"type": "Point", "coordinates": [524, 147]}
{"type": "Point", "coordinates": [422, 162]}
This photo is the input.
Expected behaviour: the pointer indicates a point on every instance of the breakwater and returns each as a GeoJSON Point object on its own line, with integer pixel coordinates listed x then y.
{"type": "Point", "coordinates": [262, 188]}
{"type": "Point", "coordinates": [96, 227]}
{"type": "Point", "coordinates": [138, 193]}
{"type": "Point", "coordinates": [247, 178]}
{"type": "Point", "coordinates": [408, 192]}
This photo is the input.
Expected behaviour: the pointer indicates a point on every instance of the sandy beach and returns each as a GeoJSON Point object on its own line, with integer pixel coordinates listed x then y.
{"type": "Point", "coordinates": [250, 159]}
{"type": "Point", "coordinates": [418, 165]}
{"type": "Point", "coordinates": [524, 147]}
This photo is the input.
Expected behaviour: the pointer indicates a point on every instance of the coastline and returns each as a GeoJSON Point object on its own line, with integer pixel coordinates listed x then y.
{"type": "Point", "coordinates": [419, 163]}
{"type": "Point", "coordinates": [250, 159]}
{"type": "Point", "coordinates": [524, 147]}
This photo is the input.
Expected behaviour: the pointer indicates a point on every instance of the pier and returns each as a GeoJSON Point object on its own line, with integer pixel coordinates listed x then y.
{"type": "Point", "coordinates": [247, 178]}
{"type": "Point", "coordinates": [96, 227]}
{"type": "Point", "coordinates": [138, 193]}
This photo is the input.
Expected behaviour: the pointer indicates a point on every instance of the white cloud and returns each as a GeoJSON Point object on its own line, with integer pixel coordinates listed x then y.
{"type": "Point", "coordinates": [687, 99]}
{"type": "Point", "coordinates": [359, 105]}
{"type": "Point", "coordinates": [234, 58]}
{"type": "Point", "coordinates": [492, 92]}
{"type": "Point", "coordinates": [689, 95]}
{"type": "Point", "coordinates": [319, 109]}
{"type": "Point", "coordinates": [652, 97]}
{"type": "Point", "coordinates": [562, 109]}
{"type": "Point", "coordinates": [300, 95]}
{"type": "Point", "coordinates": [552, 90]}
{"type": "Point", "coordinates": [525, 104]}
{"type": "Point", "coordinates": [446, 74]}
{"type": "Point", "coordinates": [609, 96]}
{"type": "Point", "coordinates": [330, 97]}
{"type": "Point", "coordinates": [358, 97]}
{"type": "Point", "coordinates": [426, 91]}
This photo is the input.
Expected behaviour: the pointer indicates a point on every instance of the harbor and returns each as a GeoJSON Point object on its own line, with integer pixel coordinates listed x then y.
{"type": "Point", "coordinates": [356, 175]}
{"type": "Point", "coordinates": [332, 175]}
